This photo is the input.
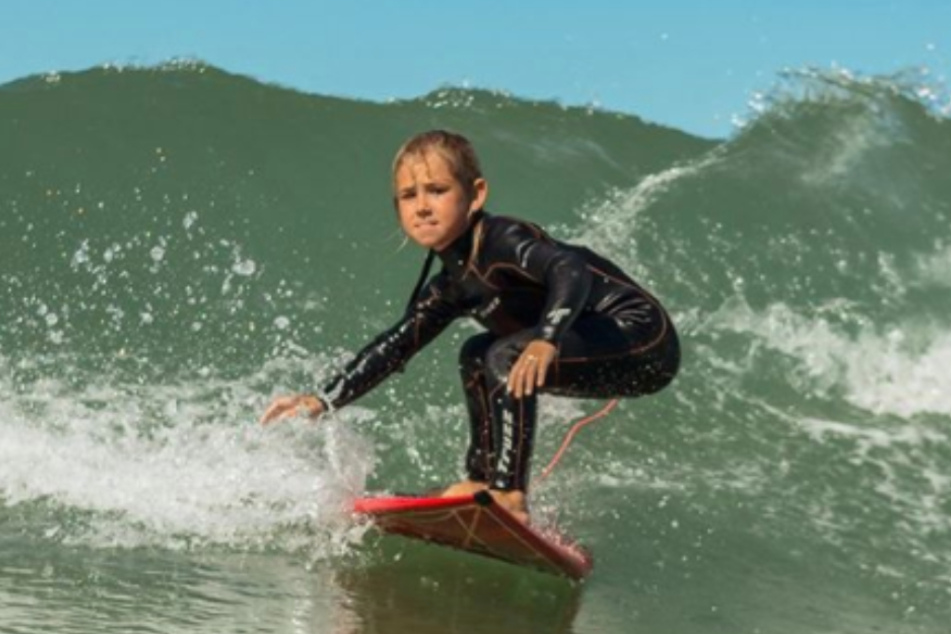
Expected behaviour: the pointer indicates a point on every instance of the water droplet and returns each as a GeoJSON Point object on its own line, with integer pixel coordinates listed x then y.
{"type": "Point", "coordinates": [244, 268]}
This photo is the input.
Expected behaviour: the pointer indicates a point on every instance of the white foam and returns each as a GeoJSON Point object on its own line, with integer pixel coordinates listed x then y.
{"type": "Point", "coordinates": [917, 497]}
{"type": "Point", "coordinates": [609, 226]}
{"type": "Point", "coordinates": [885, 378]}
{"type": "Point", "coordinates": [934, 269]}
{"type": "Point", "coordinates": [852, 141]}
{"type": "Point", "coordinates": [870, 437]}
{"type": "Point", "coordinates": [901, 371]}
{"type": "Point", "coordinates": [175, 466]}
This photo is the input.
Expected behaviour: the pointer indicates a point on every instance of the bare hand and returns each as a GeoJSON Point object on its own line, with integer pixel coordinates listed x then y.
{"type": "Point", "coordinates": [531, 368]}
{"type": "Point", "coordinates": [287, 406]}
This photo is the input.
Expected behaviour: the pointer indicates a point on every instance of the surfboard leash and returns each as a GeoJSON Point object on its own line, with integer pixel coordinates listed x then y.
{"type": "Point", "coordinates": [604, 411]}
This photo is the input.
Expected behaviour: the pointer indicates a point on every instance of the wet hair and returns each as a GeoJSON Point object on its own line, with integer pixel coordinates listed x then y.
{"type": "Point", "coordinates": [454, 148]}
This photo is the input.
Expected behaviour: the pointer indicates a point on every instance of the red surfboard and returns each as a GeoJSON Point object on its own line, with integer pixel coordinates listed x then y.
{"type": "Point", "coordinates": [475, 523]}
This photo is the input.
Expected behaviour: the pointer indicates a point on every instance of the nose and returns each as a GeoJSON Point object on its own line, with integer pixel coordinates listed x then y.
{"type": "Point", "coordinates": [423, 207]}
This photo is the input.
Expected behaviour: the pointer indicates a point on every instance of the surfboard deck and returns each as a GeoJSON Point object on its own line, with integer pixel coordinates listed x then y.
{"type": "Point", "coordinates": [476, 524]}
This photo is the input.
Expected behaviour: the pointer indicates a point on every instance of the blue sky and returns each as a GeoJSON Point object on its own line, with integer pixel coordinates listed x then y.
{"type": "Point", "coordinates": [685, 63]}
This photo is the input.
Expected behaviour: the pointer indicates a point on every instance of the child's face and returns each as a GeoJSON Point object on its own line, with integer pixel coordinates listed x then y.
{"type": "Point", "coordinates": [433, 206]}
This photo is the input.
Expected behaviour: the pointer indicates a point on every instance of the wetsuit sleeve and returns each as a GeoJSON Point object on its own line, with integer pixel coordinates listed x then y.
{"type": "Point", "coordinates": [392, 349]}
{"type": "Point", "coordinates": [560, 270]}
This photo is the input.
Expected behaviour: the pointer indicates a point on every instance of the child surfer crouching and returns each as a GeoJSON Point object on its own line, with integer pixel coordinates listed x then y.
{"type": "Point", "coordinates": [559, 319]}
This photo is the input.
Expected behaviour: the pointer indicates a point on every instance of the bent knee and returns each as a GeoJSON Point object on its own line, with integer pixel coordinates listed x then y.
{"type": "Point", "coordinates": [473, 352]}
{"type": "Point", "coordinates": [502, 354]}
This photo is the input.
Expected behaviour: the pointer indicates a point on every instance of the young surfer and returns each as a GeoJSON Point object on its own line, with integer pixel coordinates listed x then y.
{"type": "Point", "coordinates": [559, 319]}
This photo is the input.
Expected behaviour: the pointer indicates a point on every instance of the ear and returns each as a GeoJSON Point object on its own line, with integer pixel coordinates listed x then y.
{"type": "Point", "coordinates": [481, 189]}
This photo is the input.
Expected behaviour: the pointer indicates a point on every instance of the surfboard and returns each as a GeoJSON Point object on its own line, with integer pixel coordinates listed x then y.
{"type": "Point", "coordinates": [476, 524]}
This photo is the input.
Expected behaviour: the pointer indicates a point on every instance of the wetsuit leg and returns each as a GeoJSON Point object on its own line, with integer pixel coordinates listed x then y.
{"type": "Point", "coordinates": [602, 357]}
{"type": "Point", "coordinates": [513, 419]}
{"type": "Point", "coordinates": [599, 357]}
{"type": "Point", "coordinates": [480, 457]}
{"type": "Point", "coordinates": [501, 426]}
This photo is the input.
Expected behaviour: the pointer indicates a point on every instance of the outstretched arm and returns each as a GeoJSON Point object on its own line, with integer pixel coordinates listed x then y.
{"type": "Point", "coordinates": [389, 352]}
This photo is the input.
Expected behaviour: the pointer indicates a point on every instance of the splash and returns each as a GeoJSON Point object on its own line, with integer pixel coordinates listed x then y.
{"type": "Point", "coordinates": [178, 465]}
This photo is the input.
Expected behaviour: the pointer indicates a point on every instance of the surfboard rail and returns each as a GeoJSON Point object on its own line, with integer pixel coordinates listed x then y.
{"type": "Point", "coordinates": [477, 524]}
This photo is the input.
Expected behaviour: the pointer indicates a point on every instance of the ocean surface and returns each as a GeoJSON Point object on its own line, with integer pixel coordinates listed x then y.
{"type": "Point", "coordinates": [179, 244]}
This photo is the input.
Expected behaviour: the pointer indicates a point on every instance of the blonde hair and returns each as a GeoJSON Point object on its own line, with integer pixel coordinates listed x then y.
{"type": "Point", "coordinates": [454, 148]}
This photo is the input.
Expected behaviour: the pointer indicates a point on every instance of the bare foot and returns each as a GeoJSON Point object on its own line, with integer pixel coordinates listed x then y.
{"type": "Point", "coordinates": [514, 502]}
{"type": "Point", "coordinates": [466, 487]}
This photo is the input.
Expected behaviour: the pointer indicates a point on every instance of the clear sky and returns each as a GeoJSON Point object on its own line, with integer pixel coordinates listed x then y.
{"type": "Point", "coordinates": [685, 63]}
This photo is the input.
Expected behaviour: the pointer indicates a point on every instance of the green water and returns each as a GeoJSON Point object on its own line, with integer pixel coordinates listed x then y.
{"type": "Point", "coordinates": [177, 244]}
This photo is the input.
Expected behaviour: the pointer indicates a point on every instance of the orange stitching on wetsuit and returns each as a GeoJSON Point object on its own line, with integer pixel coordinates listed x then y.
{"type": "Point", "coordinates": [497, 388]}
{"type": "Point", "coordinates": [477, 243]}
{"type": "Point", "coordinates": [650, 299]}
{"type": "Point", "coordinates": [473, 253]}
{"type": "Point", "coordinates": [505, 265]}
{"type": "Point", "coordinates": [633, 351]}
{"type": "Point", "coordinates": [539, 233]}
{"type": "Point", "coordinates": [598, 271]}
{"type": "Point", "coordinates": [475, 270]}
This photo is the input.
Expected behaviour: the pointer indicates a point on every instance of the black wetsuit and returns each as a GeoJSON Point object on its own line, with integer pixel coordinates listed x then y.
{"type": "Point", "coordinates": [613, 338]}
